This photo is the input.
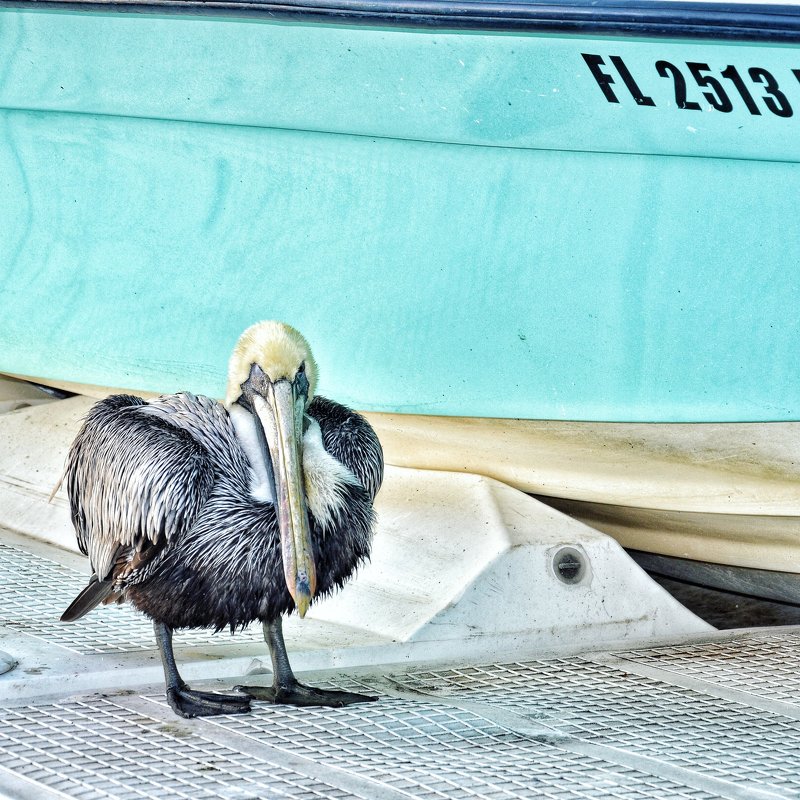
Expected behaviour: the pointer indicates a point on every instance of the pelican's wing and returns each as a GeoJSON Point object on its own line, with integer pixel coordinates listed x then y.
{"type": "Point", "coordinates": [208, 423]}
{"type": "Point", "coordinates": [350, 439]}
{"type": "Point", "coordinates": [134, 481]}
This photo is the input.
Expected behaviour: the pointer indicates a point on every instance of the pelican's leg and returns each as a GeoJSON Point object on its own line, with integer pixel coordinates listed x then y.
{"type": "Point", "coordinates": [286, 689]}
{"type": "Point", "coordinates": [190, 702]}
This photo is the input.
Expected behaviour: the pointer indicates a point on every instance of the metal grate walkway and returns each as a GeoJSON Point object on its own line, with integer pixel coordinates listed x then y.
{"type": "Point", "coordinates": [671, 722]}
{"type": "Point", "coordinates": [711, 718]}
{"type": "Point", "coordinates": [36, 590]}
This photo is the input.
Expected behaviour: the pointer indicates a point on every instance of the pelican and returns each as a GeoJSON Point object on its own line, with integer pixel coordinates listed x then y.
{"type": "Point", "coordinates": [202, 514]}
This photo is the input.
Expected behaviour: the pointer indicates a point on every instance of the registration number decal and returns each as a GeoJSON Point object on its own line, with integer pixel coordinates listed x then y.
{"type": "Point", "coordinates": [755, 88]}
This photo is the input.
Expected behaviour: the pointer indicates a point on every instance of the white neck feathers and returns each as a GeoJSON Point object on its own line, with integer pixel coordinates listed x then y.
{"type": "Point", "coordinates": [244, 423]}
{"type": "Point", "coordinates": [326, 479]}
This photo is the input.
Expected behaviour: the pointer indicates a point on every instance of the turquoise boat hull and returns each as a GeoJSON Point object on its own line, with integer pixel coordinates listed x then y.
{"type": "Point", "coordinates": [488, 223]}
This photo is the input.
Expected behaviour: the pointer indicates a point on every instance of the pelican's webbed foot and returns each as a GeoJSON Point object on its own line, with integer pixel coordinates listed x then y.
{"type": "Point", "coordinates": [193, 703]}
{"type": "Point", "coordinates": [188, 702]}
{"type": "Point", "coordinates": [286, 689]}
{"type": "Point", "coordinates": [296, 694]}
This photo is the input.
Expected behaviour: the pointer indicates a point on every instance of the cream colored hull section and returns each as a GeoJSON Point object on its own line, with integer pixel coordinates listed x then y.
{"type": "Point", "coordinates": [735, 468]}
{"type": "Point", "coordinates": [739, 540]}
{"type": "Point", "coordinates": [726, 493]}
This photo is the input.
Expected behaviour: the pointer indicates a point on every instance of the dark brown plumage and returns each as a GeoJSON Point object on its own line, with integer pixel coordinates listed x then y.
{"type": "Point", "coordinates": [184, 511]}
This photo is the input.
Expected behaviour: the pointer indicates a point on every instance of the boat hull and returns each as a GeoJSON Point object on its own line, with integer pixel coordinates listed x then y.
{"type": "Point", "coordinates": [724, 494]}
{"type": "Point", "coordinates": [721, 493]}
{"type": "Point", "coordinates": [461, 223]}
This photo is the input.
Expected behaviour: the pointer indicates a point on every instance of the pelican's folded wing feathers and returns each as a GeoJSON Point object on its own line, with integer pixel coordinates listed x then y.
{"type": "Point", "coordinates": [133, 480]}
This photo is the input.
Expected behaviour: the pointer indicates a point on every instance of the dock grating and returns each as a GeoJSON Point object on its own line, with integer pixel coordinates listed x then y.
{"type": "Point", "coordinates": [36, 590]}
{"type": "Point", "coordinates": [718, 718]}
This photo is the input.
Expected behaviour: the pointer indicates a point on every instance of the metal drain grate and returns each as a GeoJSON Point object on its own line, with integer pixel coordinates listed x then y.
{"type": "Point", "coordinates": [100, 750]}
{"type": "Point", "coordinates": [35, 591]}
{"type": "Point", "coordinates": [606, 705]}
{"type": "Point", "coordinates": [430, 751]}
{"type": "Point", "coordinates": [765, 666]}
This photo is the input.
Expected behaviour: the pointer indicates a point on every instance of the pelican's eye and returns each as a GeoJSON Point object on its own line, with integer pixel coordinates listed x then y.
{"type": "Point", "coordinates": [301, 381]}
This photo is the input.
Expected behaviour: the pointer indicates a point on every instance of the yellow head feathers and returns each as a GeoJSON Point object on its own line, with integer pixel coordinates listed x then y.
{"type": "Point", "coordinates": [278, 349]}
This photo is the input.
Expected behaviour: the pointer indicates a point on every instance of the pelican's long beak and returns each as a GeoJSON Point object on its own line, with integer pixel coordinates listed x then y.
{"type": "Point", "coordinates": [281, 411]}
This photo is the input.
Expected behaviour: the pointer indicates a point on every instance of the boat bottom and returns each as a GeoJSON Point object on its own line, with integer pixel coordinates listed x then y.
{"type": "Point", "coordinates": [760, 543]}
{"type": "Point", "coordinates": [726, 494]}
{"type": "Point", "coordinates": [779, 587]}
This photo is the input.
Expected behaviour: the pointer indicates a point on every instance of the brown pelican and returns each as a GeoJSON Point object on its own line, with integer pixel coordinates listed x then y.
{"type": "Point", "coordinates": [209, 515]}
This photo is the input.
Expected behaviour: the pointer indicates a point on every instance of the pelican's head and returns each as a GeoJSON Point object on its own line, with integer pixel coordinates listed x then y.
{"type": "Point", "coordinates": [278, 350]}
{"type": "Point", "coordinates": [271, 379]}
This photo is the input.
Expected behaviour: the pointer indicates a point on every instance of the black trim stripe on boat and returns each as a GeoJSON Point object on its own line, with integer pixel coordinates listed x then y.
{"type": "Point", "coordinates": [636, 18]}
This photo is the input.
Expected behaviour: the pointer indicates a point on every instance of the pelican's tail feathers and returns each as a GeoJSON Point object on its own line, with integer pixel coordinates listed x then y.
{"type": "Point", "coordinates": [95, 593]}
